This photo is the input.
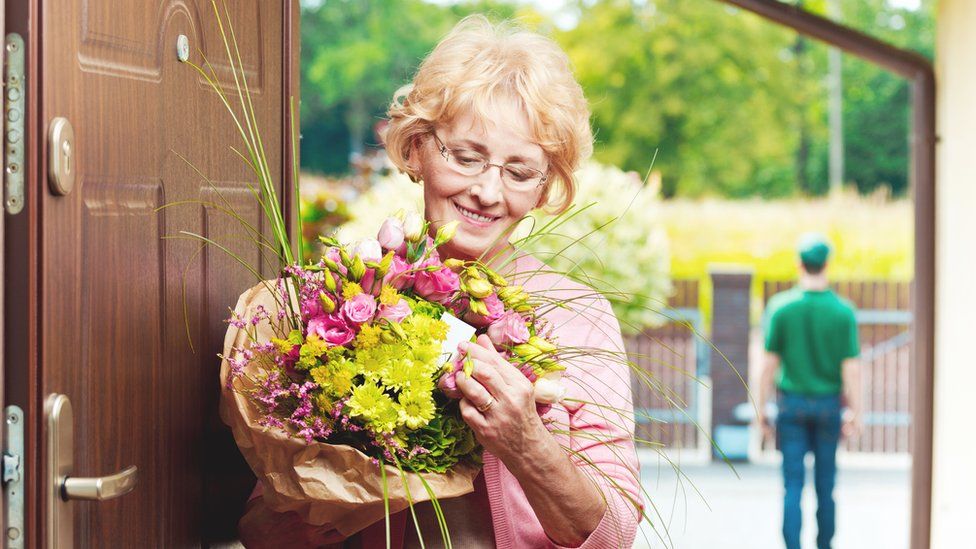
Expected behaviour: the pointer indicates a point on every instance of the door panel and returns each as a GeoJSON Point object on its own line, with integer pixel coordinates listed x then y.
{"type": "Point", "coordinates": [120, 304]}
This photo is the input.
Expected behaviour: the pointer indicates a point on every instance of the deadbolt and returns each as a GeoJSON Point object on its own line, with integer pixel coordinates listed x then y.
{"type": "Point", "coordinates": [61, 161]}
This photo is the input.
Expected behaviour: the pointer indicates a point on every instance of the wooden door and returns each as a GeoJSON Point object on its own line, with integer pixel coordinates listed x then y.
{"type": "Point", "coordinates": [119, 303]}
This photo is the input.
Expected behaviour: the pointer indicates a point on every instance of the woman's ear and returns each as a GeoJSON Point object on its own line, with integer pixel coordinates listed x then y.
{"type": "Point", "coordinates": [543, 197]}
{"type": "Point", "coordinates": [413, 159]}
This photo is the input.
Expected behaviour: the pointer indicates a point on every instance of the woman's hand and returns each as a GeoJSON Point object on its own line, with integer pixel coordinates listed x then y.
{"type": "Point", "coordinates": [497, 402]}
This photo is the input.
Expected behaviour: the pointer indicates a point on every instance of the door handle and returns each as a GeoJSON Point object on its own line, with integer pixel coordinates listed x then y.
{"type": "Point", "coordinates": [60, 486]}
{"type": "Point", "coordinates": [100, 488]}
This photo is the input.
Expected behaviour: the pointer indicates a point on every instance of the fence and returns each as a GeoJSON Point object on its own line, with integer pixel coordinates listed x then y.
{"type": "Point", "coordinates": [675, 411]}
{"type": "Point", "coordinates": [671, 398]}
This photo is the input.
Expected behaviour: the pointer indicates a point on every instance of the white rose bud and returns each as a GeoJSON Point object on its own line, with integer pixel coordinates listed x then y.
{"type": "Point", "coordinates": [368, 249]}
{"type": "Point", "coordinates": [549, 389]}
{"type": "Point", "coordinates": [413, 226]}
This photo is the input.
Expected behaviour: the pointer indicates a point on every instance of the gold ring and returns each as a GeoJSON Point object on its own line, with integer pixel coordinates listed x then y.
{"type": "Point", "coordinates": [484, 407]}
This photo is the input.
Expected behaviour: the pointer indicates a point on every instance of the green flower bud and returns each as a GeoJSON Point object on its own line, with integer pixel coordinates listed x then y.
{"type": "Point", "coordinates": [454, 264]}
{"type": "Point", "coordinates": [479, 288]}
{"type": "Point", "coordinates": [328, 305]}
{"type": "Point", "coordinates": [344, 256]}
{"type": "Point", "coordinates": [542, 344]}
{"type": "Point", "coordinates": [330, 283]}
{"type": "Point", "coordinates": [526, 351]}
{"type": "Point", "coordinates": [478, 307]}
{"type": "Point", "coordinates": [445, 233]}
{"type": "Point", "coordinates": [507, 292]}
{"type": "Point", "coordinates": [357, 269]}
{"type": "Point", "coordinates": [385, 264]}
{"type": "Point", "coordinates": [495, 278]}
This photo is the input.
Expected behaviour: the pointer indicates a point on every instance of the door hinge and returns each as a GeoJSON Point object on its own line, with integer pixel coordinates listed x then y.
{"type": "Point", "coordinates": [14, 114]}
{"type": "Point", "coordinates": [13, 477]}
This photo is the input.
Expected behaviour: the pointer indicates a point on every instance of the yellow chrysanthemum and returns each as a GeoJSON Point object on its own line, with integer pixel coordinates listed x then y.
{"type": "Point", "coordinates": [311, 350]}
{"type": "Point", "coordinates": [398, 374]}
{"type": "Point", "coordinates": [370, 362]}
{"type": "Point", "coordinates": [284, 346]}
{"type": "Point", "coordinates": [369, 336]}
{"type": "Point", "coordinates": [351, 289]}
{"type": "Point", "coordinates": [414, 409]}
{"type": "Point", "coordinates": [389, 295]}
{"type": "Point", "coordinates": [369, 402]}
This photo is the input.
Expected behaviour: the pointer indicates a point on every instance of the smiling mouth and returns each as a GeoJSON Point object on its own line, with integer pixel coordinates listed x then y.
{"type": "Point", "coordinates": [473, 216]}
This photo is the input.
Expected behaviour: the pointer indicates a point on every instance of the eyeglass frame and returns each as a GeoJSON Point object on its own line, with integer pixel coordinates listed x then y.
{"type": "Point", "coordinates": [445, 152]}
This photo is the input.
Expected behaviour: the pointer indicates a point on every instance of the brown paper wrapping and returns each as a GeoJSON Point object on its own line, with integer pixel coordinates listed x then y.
{"type": "Point", "coordinates": [325, 484]}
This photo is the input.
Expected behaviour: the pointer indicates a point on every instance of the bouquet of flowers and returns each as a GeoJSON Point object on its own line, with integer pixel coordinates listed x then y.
{"type": "Point", "coordinates": [357, 350]}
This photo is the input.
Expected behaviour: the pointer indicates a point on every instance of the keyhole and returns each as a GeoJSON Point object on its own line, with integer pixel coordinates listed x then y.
{"type": "Point", "coordinates": [66, 151]}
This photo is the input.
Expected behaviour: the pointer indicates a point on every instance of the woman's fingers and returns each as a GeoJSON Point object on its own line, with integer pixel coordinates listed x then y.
{"type": "Point", "coordinates": [491, 358]}
{"type": "Point", "coordinates": [471, 416]}
{"type": "Point", "coordinates": [472, 388]}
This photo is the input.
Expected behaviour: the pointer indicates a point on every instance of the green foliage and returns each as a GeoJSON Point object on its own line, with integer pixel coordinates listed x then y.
{"type": "Point", "coordinates": [734, 105]}
{"type": "Point", "coordinates": [706, 86]}
{"type": "Point", "coordinates": [876, 102]}
{"type": "Point", "coordinates": [355, 54]}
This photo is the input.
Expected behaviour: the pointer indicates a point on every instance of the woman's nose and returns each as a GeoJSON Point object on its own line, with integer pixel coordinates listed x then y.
{"type": "Point", "coordinates": [488, 188]}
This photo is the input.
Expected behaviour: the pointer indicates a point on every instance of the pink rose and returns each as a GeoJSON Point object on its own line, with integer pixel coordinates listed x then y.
{"type": "Point", "coordinates": [359, 309]}
{"type": "Point", "coordinates": [437, 285]}
{"type": "Point", "coordinates": [332, 328]}
{"type": "Point", "coordinates": [395, 313]}
{"type": "Point", "coordinates": [509, 329]}
{"type": "Point", "coordinates": [398, 275]}
{"type": "Point", "coordinates": [495, 311]}
{"type": "Point", "coordinates": [367, 249]}
{"type": "Point", "coordinates": [390, 236]}
{"type": "Point", "coordinates": [368, 282]}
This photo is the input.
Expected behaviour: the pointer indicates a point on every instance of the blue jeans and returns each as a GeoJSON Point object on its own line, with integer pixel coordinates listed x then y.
{"type": "Point", "coordinates": [808, 424]}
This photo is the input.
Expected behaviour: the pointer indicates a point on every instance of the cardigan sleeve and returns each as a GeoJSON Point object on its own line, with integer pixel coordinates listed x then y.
{"type": "Point", "coordinates": [601, 421]}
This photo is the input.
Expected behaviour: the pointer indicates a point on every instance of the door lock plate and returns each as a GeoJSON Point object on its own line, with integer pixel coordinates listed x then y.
{"type": "Point", "coordinates": [14, 114]}
{"type": "Point", "coordinates": [13, 477]}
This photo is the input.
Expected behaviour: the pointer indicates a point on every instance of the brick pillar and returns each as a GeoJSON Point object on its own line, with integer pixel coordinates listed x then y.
{"type": "Point", "coordinates": [730, 335]}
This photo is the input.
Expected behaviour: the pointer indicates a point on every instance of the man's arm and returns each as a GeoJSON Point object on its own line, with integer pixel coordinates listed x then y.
{"type": "Point", "coordinates": [767, 381]}
{"type": "Point", "coordinates": [851, 375]}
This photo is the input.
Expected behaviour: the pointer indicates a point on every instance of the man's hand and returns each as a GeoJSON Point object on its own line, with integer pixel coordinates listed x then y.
{"type": "Point", "coordinates": [768, 429]}
{"type": "Point", "coordinates": [851, 425]}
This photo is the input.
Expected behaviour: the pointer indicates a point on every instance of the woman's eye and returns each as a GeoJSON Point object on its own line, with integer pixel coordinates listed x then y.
{"type": "Point", "coordinates": [468, 160]}
{"type": "Point", "coordinates": [520, 174]}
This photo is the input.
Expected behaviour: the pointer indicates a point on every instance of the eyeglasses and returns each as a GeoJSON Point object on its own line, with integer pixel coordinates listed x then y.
{"type": "Point", "coordinates": [515, 175]}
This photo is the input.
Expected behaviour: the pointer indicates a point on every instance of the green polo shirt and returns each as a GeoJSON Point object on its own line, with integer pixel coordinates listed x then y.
{"type": "Point", "coordinates": [812, 332]}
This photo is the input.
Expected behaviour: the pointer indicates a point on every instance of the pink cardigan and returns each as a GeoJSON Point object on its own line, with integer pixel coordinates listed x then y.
{"type": "Point", "coordinates": [606, 414]}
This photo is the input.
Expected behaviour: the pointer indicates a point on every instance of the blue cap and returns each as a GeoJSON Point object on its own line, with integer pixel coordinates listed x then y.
{"type": "Point", "coordinates": [814, 249]}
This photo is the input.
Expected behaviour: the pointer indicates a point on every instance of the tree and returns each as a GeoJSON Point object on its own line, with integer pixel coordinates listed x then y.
{"type": "Point", "coordinates": [355, 54]}
{"type": "Point", "coordinates": [709, 87]}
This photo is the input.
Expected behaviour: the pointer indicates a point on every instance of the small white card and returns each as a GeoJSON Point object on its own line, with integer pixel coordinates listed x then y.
{"type": "Point", "coordinates": [458, 331]}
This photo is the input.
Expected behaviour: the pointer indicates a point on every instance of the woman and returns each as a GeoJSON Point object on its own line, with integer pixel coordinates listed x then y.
{"type": "Point", "coordinates": [493, 126]}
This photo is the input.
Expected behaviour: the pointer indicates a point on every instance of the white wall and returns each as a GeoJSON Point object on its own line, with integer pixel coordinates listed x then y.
{"type": "Point", "coordinates": [954, 465]}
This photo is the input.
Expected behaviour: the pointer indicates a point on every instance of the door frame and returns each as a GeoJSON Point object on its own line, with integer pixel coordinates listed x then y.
{"type": "Point", "coordinates": [919, 72]}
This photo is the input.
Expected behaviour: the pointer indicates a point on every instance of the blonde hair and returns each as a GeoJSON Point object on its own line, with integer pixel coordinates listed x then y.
{"type": "Point", "coordinates": [479, 63]}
